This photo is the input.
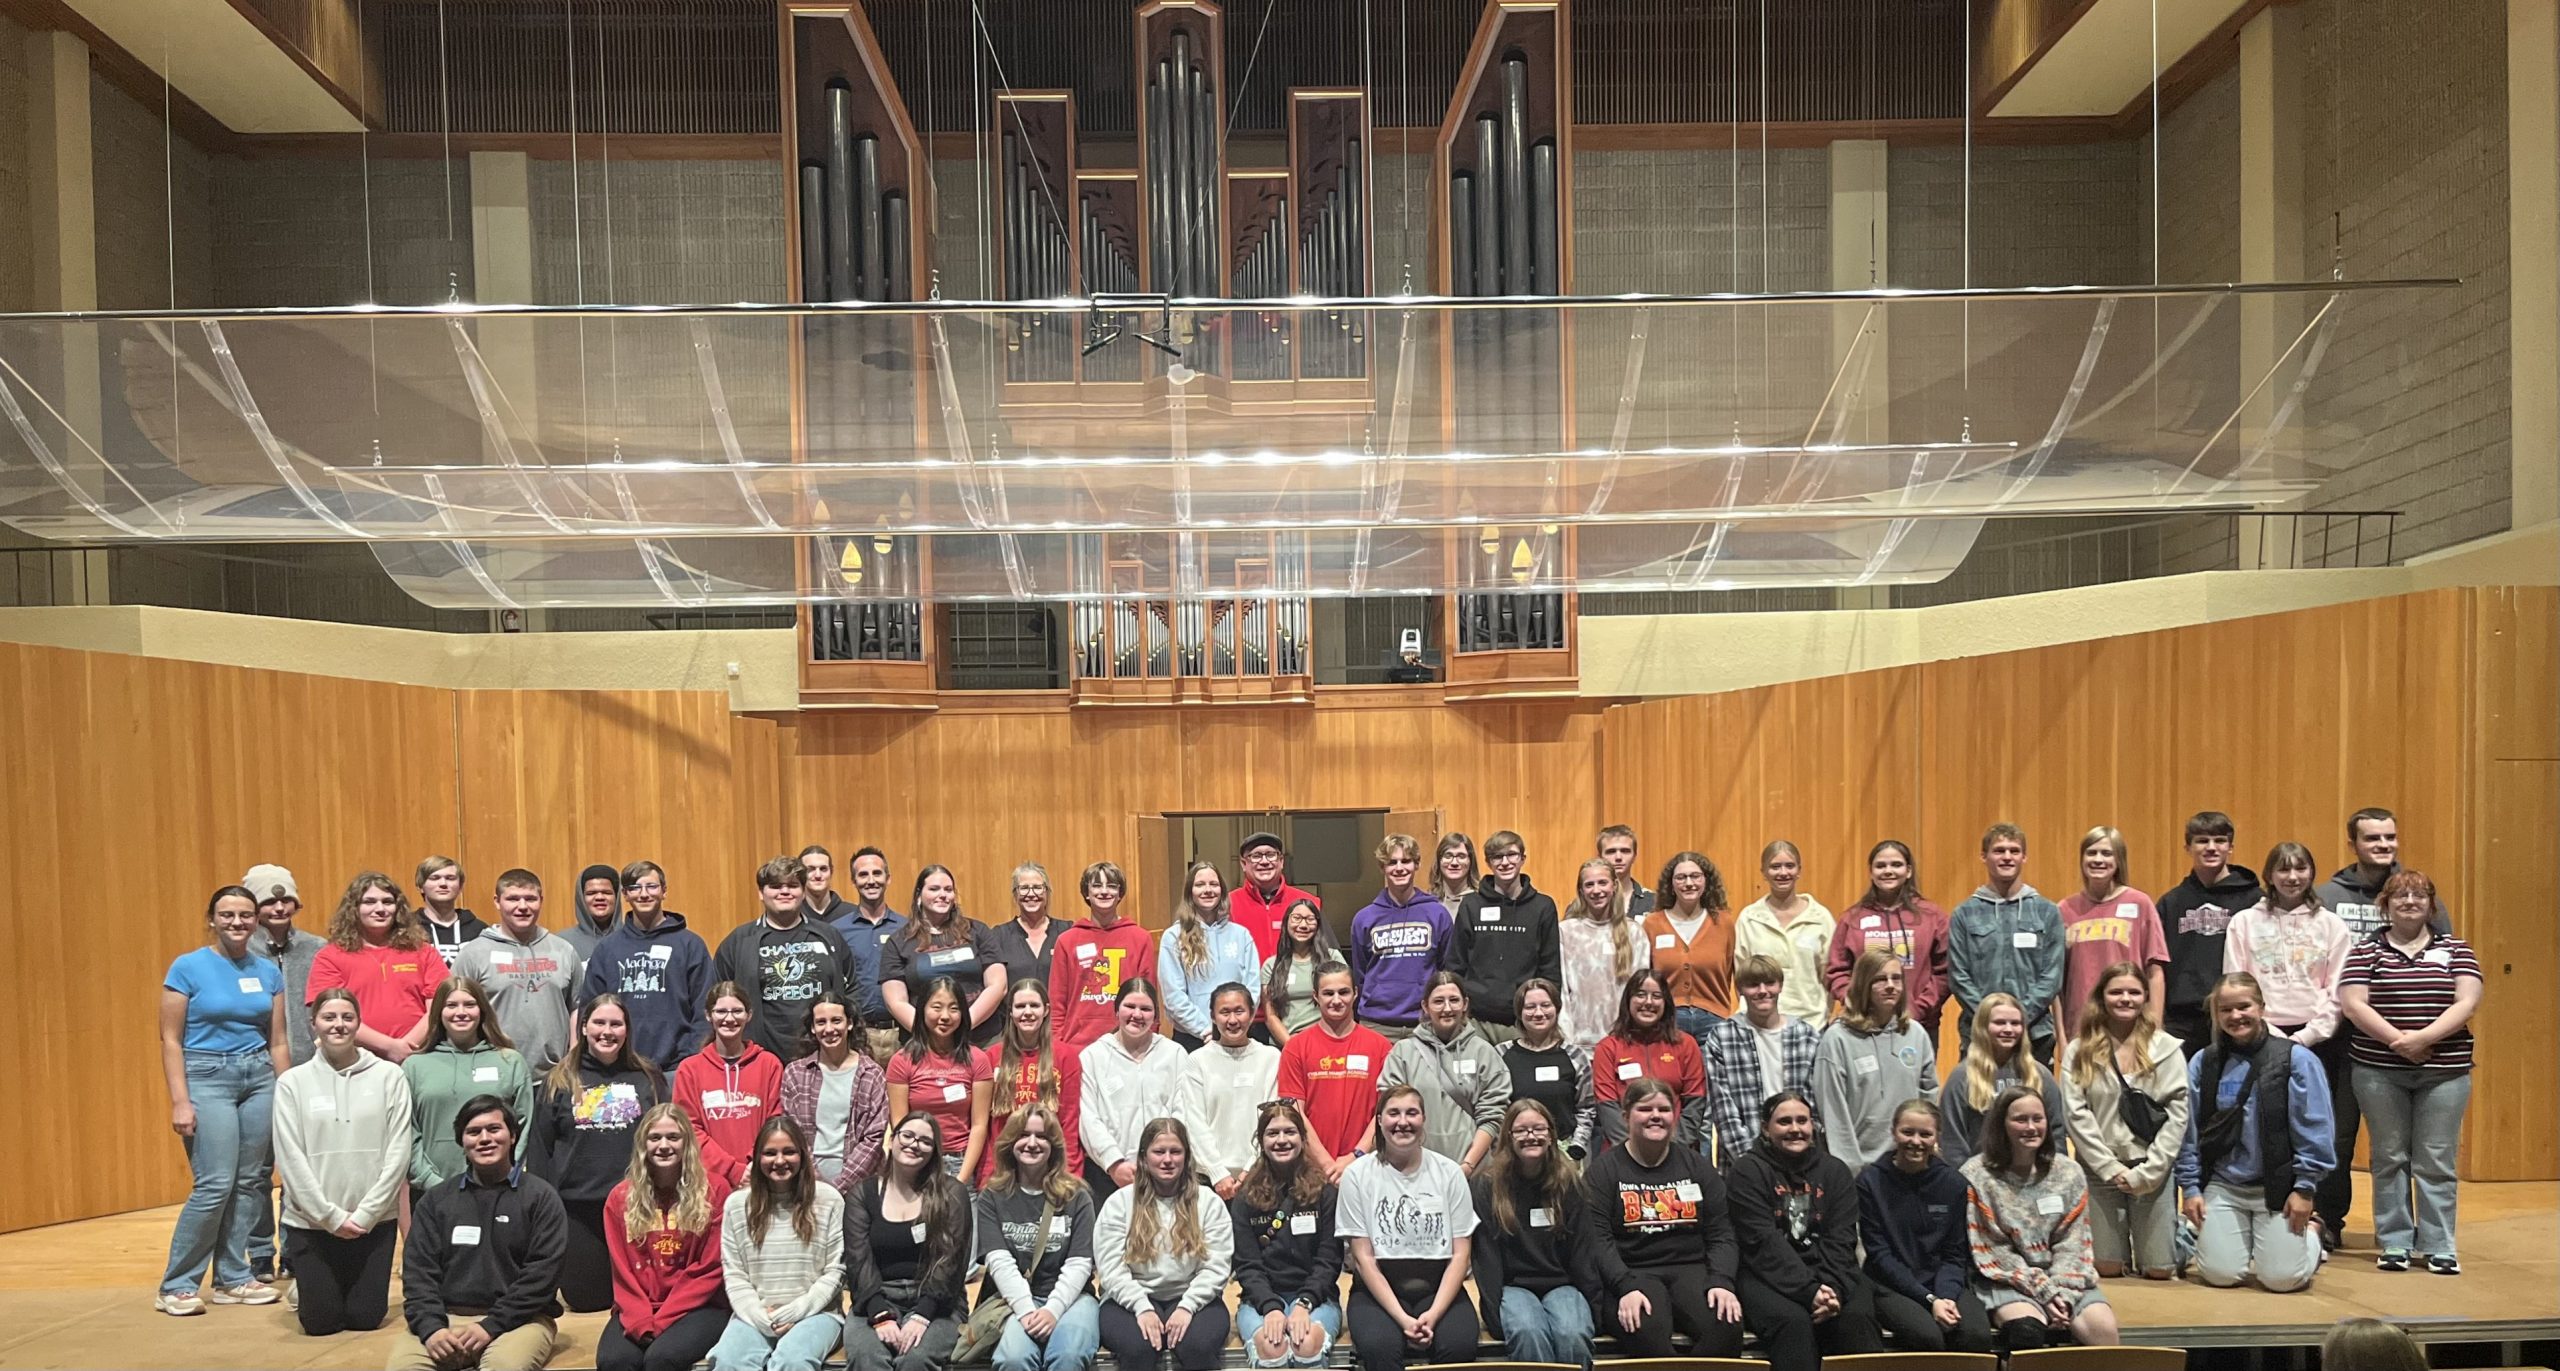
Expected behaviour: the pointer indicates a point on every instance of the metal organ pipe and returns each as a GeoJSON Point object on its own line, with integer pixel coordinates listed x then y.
{"type": "Point", "coordinates": [813, 231]}
{"type": "Point", "coordinates": [1514, 177]}
{"type": "Point", "coordinates": [1543, 267]}
{"type": "Point", "coordinates": [839, 168]}
{"type": "Point", "coordinates": [866, 189]}
{"type": "Point", "coordinates": [1488, 213]}
{"type": "Point", "coordinates": [1177, 164]}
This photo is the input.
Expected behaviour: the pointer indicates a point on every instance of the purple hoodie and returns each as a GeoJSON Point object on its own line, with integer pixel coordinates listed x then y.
{"type": "Point", "coordinates": [1394, 950]}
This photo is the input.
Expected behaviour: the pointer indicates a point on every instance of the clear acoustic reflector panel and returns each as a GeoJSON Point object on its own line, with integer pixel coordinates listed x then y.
{"type": "Point", "coordinates": [652, 456]}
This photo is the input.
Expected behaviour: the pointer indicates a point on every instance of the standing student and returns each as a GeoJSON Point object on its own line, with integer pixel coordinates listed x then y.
{"type": "Point", "coordinates": [1224, 1081]}
{"type": "Point", "coordinates": [1462, 1080]}
{"type": "Point", "coordinates": [290, 948]}
{"type": "Point", "coordinates": [598, 908]}
{"type": "Point", "coordinates": [1690, 933]}
{"type": "Point", "coordinates": [942, 943]}
{"type": "Point", "coordinates": [2106, 921]}
{"type": "Point", "coordinates": [1536, 1255]}
{"type": "Point", "coordinates": [938, 1073]}
{"type": "Point", "coordinates": [1025, 1068]}
{"type": "Point", "coordinates": [2195, 917]}
{"type": "Point", "coordinates": [662, 1230]}
{"type": "Point", "coordinates": [2410, 993]}
{"type": "Point", "coordinates": [906, 1252]}
{"type": "Point", "coordinates": [531, 974]}
{"type": "Point", "coordinates": [377, 950]}
{"type": "Point", "coordinates": [1263, 893]}
{"type": "Point", "coordinates": [818, 867]}
{"type": "Point", "coordinates": [1912, 1215]}
{"type": "Point", "coordinates": [1408, 1227]}
{"type": "Point", "coordinates": [222, 1046]}
{"type": "Point", "coordinates": [1026, 942]}
{"type": "Point", "coordinates": [1554, 1072]}
{"type": "Point", "coordinates": [1288, 976]}
{"type": "Point", "coordinates": [1871, 1059]}
{"type": "Point", "coordinates": [1162, 1248]}
{"type": "Point", "coordinates": [1130, 1077]}
{"type": "Point", "coordinates": [1453, 871]}
{"type": "Point", "coordinates": [2124, 1082]}
{"type": "Point", "coordinates": [1502, 934]}
{"type": "Point", "coordinates": [1397, 941]}
{"type": "Point", "coordinates": [586, 1119]}
{"type": "Point", "coordinates": [1288, 1258]}
{"type": "Point", "coordinates": [1644, 1045]}
{"type": "Point", "coordinates": [660, 968]}
{"type": "Point", "coordinates": [1891, 916]}
{"type": "Point", "coordinates": [1754, 1055]}
{"type": "Point", "coordinates": [1616, 845]}
{"type": "Point", "coordinates": [865, 926]}
{"type": "Point", "coordinates": [2299, 951]}
{"type": "Point", "coordinates": [446, 925]}
{"type": "Point", "coordinates": [1333, 1070]}
{"type": "Point", "coordinates": [1202, 950]}
{"type": "Point", "coordinates": [1035, 1237]}
{"type": "Point", "coordinates": [2258, 1141]}
{"type": "Point", "coordinates": [1788, 927]}
{"type": "Point", "coordinates": [781, 1260]}
{"type": "Point", "coordinates": [2029, 1226]}
{"type": "Point", "coordinates": [1795, 1217]}
{"type": "Point", "coordinates": [1667, 1254]}
{"type": "Point", "coordinates": [1995, 1058]}
{"type": "Point", "coordinates": [729, 1088]}
{"type": "Point", "coordinates": [1103, 952]}
{"type": "Point", "coordinates": [782, 960]}
{"type": "Point", "coordinates": [482, 1260]}
{"type": "Point", "coordinates": [1596, 950]}
{"type": "Point", "coordinates": [2005, 939]}
{"type": "Point", "coordinates": [838, 1096]}
{"type": "Point", "coordinates": [342, 1146]}
{"type": "Point", "coordinates": [467, 1055]}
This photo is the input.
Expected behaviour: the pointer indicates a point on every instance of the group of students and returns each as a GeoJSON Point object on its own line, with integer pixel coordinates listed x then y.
{"type": "Point", "coordinates": [1608, 1114]}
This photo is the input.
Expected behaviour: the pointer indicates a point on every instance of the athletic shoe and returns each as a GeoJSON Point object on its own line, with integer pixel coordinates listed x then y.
{"type": "Point", "coordinates": [2392, 1261]}
{"type": "Point", "coordinates": [178, 1302]}
{"type": "Point", "coordinates": [2445, 1264]}
{"type": "Point", "coordinates": [292, 1295]}
{"type": "Point", "coordinates": [248, 1292]}
{"type": "Point", "coordinates": [2331, 1239]}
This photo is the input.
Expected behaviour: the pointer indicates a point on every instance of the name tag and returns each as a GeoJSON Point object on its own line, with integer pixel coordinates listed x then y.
{"type": "Point", "coordinates": [949, 956]}
{"type": "Point", "coordinates": [2049, 1205]}
{"type": "Point", "coordinates": [1302, 1224]}
{"type": "Point", "coordinates": [251, 985]}
{"type": "Point", "coordinates": [1549, 1073]}
{"type": "Point", "coordinates": [2437, 956]}
{"type": "Point", "coordinates": [1871, 921]}
{"type": "Point", "coordinates": [916, 1231]}
{"type": "Point", "coordinates": [483, 1075]}
{"type": "Point", "coordinates": [323, 1106]}
{"type": "Point", "coordinates": [2022, 940]}
{"type": "Point", "coordinates": [954, 1093]}
{"type": "Point", "coordinates": [1864, 1066]}
{"type": "Point", "coordinates": [1466, 1068]}
{"type": "Point", "coordinates": [715, 1099]}
{"type": "Point", "coordinates": [659, 952]}
{"type": "Point", "coordinates": [1357, 1061]}
{"type": "Point", "coordinates": [1628, 1071]}
{"type": "Point", "coordinates": [1489, 913]}
{"type": "Point", "coordinates": [1809, 942]}
{"type": "Point", "coordinates": [2125, 910]}
{"type": "Point", "coordinates": [466, 1235]}
{"type": "Point", "coordinates": [1688, 1190]}
{"type": "Point", "coordinates": [1085, 953]}
{"type": "Point", "coordinates": [1542, 1218]}
{"type": "Point", "coordinates": [1666, 940]}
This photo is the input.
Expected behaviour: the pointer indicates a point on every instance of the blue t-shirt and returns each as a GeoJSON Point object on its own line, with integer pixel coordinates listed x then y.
{"type": "Point", "coordinates": [229, 1004]}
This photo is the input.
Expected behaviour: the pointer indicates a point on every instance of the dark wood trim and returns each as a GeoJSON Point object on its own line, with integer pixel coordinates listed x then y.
{"type": "Point", "coordinates": [549, 147]}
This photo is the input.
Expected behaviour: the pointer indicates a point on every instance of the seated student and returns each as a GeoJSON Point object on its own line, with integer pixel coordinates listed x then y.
{"type": "Point", "coordinates": [1667, 1253]}
{"type": "Point", "coordinates": [1912, 1210]}
{"type": "Point", "coordinates": [1333, 1069]}
{"type": "Point", "coordinates": [1288, 1259]}
{"type": "Point", "coordinates": [1025, 1066]}
{"type": "Point", "coordinates": [1035, 1236]}
{"type": "Point", "coordinates": [939, 1073]}
{"type": "Point", "coordinates": [2034, 1271]}
{"type": "Point", "coordinates": [1645, 1045]}
{"type": "Point", "coordinates": [730, 1087]}
{"type": "Point", "coordinates": [466, 1056]}
{"type": "Point", "coordinates": [586, 1119]}
{"type": "Point", "coordinates": [662, 1228]}
{"type": "Point", "coordinates": [1537, 1259]}
{"type": "Point", "coordinates": [1754, 1055]}
{"type": "Point", "coordinates": [478, 1273]}
{"type": "Point", "coordinates": [1407, 1224]}
{"type": "Point", "coordinates": [1795, 1217]}
{"type": "Point", "coordinates": [781, 1259]}
{"type": "Point", "coordinates": [838, 1096]}
{"type": "Point", "coordinates": [1162, 1248]}
{"type": "Point", "coordinates": [1093, 959]}
{"type": "Point", "coordinates": [342, 1124]}
{"type": "Point", "coordinates": [1548, 1068]}
{"type": "Point", "coordinates": [1131, 1076]}
{"type": "Point", "coordinates": [1224, 1081]}
{"type": "Point", "coordinates": [2125, 1083]}
{"type": "Point", "coordinates": [1464, 1085]}
{"type": "Point", "coordinates": [531, 974]}
{"type": "Point", "coordinates": [1871, 1059]}
{"type": "Point", "coordinates": [2257, 1145]}
{"type": "Point", "coordinates": [906, 1251]}
{"type": "Point", "coordinates": [1997, 1058]}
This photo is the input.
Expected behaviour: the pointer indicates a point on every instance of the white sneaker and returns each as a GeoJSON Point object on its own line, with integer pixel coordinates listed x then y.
{"type": "Point", "coordinates": [293, 1294]}
{"type": "Point", "coordinates": [247, 1292]}
{"type": "Point", "coordinates": [178, 1302]}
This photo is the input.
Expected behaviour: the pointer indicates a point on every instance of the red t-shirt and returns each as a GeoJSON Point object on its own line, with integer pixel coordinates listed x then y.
{"type": "Point", "coordinates": [1616, 1063]}
{"type": "Point", "coordinates": [393, 985]}
{"type": "Point", "coordinates": [1335, 1080]}
{"type": "Point", "coordinates": [2095, 936]}
{"type": "Point", "coordinates": [1087, 967]}
{"type": "Point", "coordinates": [1009, 1092]}
{"type": "Point", "coordinates": [940, 1087]}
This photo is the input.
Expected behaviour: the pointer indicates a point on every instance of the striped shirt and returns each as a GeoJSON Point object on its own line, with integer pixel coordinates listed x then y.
{"type": "Point", "coordinates": [2410, 993]}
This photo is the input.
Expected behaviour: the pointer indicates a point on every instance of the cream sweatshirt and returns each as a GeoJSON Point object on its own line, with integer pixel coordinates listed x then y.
{"type": "Point", "coordinates": [1121, 1093]}
{"type": "Point", "coordinates": [1190, 1282]}
{"type": "Point", "coordinates": [2098, 1135]}
{"type": "Point", "coordinates": [1222, 1094]}
{"type": "Point", "coordinates": [342, 1142]}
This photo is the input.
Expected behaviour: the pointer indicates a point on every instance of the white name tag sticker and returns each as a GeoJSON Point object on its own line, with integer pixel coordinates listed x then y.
{"type": "Point", "coordinates": [2439, 957]}
{"type": "Point", "coordinates": [483, 1075]}
{"type": "Point", "coordinates": [466, 1235]}
{"type": "Point", "coordinates": [954, 1093]}
{"type": "Point", "coordinates": [1628, 1071]}
{"type": "Point", "coordinates": [1871, 921]}
{"type": "Point", "coordinates": [1357, 1061]}
{"type": "Point", "coordinates": [2022, 939]}
{"type": "Point", "coordinates": [1542, 1218]}
{"type": "Point", "coordinates": [1688, 1190]}
{"type": "Point", "coordinates": [1666, 940]}
{"type": "Point", "coordinates": [1489, 913]}
{"type": "Point", "coordinates": [251, 985]}
{"type": "Point", "coordinates": [2049, 1204]}
{"type": "Point", "coordinates": [1548, 1073]}
{"type": "Point", "coordinates": [715, 1099]}
{"type": "Point", "coordinates": [949, 956]}
{"type": "Point", "coordinates": [2125, 910]}
{"type": "Point", "coordinates": [916, 1232]}
{"type": "Point", "coordinates": [1809, 942]}
{"type": "Point", "coordinates": [323, 1106]}
{"type": "Point", "coordinates": [659, 952]}
{"type": "Point", "coordinates": [1061, 1227]}
{"type": "Point", "coordinates": [1466, 1068]}
{"type": "Point", "coordinates": [1302, 1224]}
{"type": "Point", "coordinates": [1864, 1066]}
{"type": "Point", "coordinates": [1086, 952]}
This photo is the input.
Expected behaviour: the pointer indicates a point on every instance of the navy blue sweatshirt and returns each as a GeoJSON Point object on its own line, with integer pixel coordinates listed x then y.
{"type": "Point", "coordinates": [1915, 1229]}
{"type": "Point", "coordinates": [663, 976]}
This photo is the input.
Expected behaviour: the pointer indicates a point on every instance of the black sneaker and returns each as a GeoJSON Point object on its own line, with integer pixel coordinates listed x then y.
{"type": "Point", "coordinates": [2444, 1264]}
{"type": "Point", "coordinates": [2391, 1261]}
{"type": "Point", "coordinates": [2331, 1239]}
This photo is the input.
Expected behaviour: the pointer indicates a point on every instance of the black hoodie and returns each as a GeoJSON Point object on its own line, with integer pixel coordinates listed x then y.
{"type": "Point", "coordinates": [1917, 1243]}
{"type": "Point", "coordinates": [1498, 941]}
{"type": "Point", "coordinates": [2194, 918]}
{"type": "Point", "coordinates": [582, 1137]}
{"type": "Point", "coordinates": [1796, 1218]}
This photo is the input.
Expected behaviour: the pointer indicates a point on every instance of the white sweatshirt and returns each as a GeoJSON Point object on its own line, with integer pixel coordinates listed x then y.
{"type": "Point", "coordinates": [1121, 1093]}
{"type": "Point", "coordinates": [1222, 1095]}
{"type": "Point", "coordinates": [342, 1141]}
{"type": "Point", "coordinates": [1190, 1282]}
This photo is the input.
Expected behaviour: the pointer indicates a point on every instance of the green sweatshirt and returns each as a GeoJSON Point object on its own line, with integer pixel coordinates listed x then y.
{"type": "Point", "coordinates": [441, 1081]}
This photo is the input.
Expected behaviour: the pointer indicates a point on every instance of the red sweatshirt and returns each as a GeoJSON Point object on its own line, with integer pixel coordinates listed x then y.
{"type": "Point", "coordinates": [1086, 970]}
{"type": "Point", "coordinates": [1918, 935]}
{"type": "Point", "coordinates": [668, 1273]}
{"type": "Point", "coordinates": [1260, 917]}
{"type": "Point", "coordinates": [1675, 1062]}
{"type": "Point", "coordinates": [1009, 1093]}
{"type": "Point", "coordinates": [728, 1101]}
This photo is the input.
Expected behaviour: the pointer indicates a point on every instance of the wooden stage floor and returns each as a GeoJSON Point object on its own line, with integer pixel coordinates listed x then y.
{"type": "Point", "coordinates": [79, 1295]}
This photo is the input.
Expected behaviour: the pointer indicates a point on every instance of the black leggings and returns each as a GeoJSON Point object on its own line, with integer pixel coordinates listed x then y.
{"type": "Point", "coordinates": [686, 1341]}
{"type": "Point", "coordinates": [1790, 1337]}
{"type": "Point", "coordinates": [1914, 1328]}
{"type": "Point", "coordinates": [1203, 1345]}
{"type": "Point", "coordinates": [340, 1284]}
{"type": "Point", "coordinates": [586, 1267]}
{"type": "Point", "coordinates": [1679, 1299]}
{"type": "Point", "coordinates": [1377, 1340]}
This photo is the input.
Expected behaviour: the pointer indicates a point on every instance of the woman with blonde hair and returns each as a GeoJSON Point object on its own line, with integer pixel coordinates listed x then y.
{"type": "Point", "coordinates": [1598, 949]}
{"type": "Point", "coordinates": [1025, 1068]}
{"type": "Point", "coordinates": [1997, 1057]}
{"type": "Point", "coordinates": [1871, 1059]}
{"type": "Point", "coordinates": [662, 1230]}
{"type": "Point", "coordinates": [1163, 1246]}
{"type": "Point", "coordinates": [1788, 927]}
{"type": "Point", "coordinates": [377, 950]}
{"type": "Point", "coordinates": [1201, 950]}
{"type": "Point", "coordinates": [2107, 921]}
{"type": "Point", "coordinates": [2124, 1084]}
{"type": "Point", "coordinates": [1035, 1236]}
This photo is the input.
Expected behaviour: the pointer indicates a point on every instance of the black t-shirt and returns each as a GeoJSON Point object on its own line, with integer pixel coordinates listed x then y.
{"type": "Point", "coordinates": [962, 952]}
{"type": "Point", "coordinates": [1549, 1076]}
{"type": "Point", "coordinates": [797, 967]}
{"type": "Point", "coordinates": [1010, 1219]}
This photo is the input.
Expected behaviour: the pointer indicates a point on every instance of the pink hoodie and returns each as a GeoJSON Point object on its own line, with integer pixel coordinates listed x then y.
{"type": "Point", "coordinates": [2297, 956]}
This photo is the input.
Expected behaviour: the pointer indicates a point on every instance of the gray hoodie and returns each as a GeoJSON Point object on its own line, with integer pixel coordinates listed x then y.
{"type": "Point", "coordinates": [1859, 1079]}
{"type": "Point", "coordinates": [1465, 1086]}
{"type": "Point", "coordinates": [2012, 945]}
{"type": "Point", "coordinates": [532, 987]}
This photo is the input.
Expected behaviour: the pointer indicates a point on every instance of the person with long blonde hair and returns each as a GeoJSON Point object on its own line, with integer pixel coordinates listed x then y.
{"type": "Point", "coordinates": [377, 950]}
{"type": "Point", "coordinates": [1996, 1057]}
{"type": "Point", "coordinates": [1537, 1259]}
{"type": "Point", "coordinates": [586, 1118]}
{"type": "Point", "coordinates": [1163, 1247]}
{"type": "Point", "coordinates": [2127, 1144]}
{"type": "Point", "coordinates": [1791, 928]}
{"type": "Point", "coordinates": [1288, 1259]}
{"type": "Point", "coordinates": [1201, 950]}
{"type": "Point", "coordinates": [1035, 1225]}
{"type": "Point", "coordinates": [662, 1230]}
{"type": "Point", "coordinates": [781, 1260]}
{"type": "Point", "coordinates": [2107, 921]}
{"type": "Point", "coordinates": [1597, 950]}
{"type": "Point", "coordinates": [1871, 1059]}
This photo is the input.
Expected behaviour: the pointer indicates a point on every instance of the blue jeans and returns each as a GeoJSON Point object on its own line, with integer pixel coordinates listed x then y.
{"type": "Point", "coordinates": [1554, 1327]}
{"type": "Point", "coordinates": [804, 1348]}
{"type": "Point", "coordinates": [1071, 1345]}
{"type": "Point", "coordinates": [1695, 1022]}
{"type": "Point", "coordinates": [2413, 1119]}
{"type": "Point", "coordinates": [1327, 1316]}
{"type": "Point", "coordinates": [233, 1093]}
